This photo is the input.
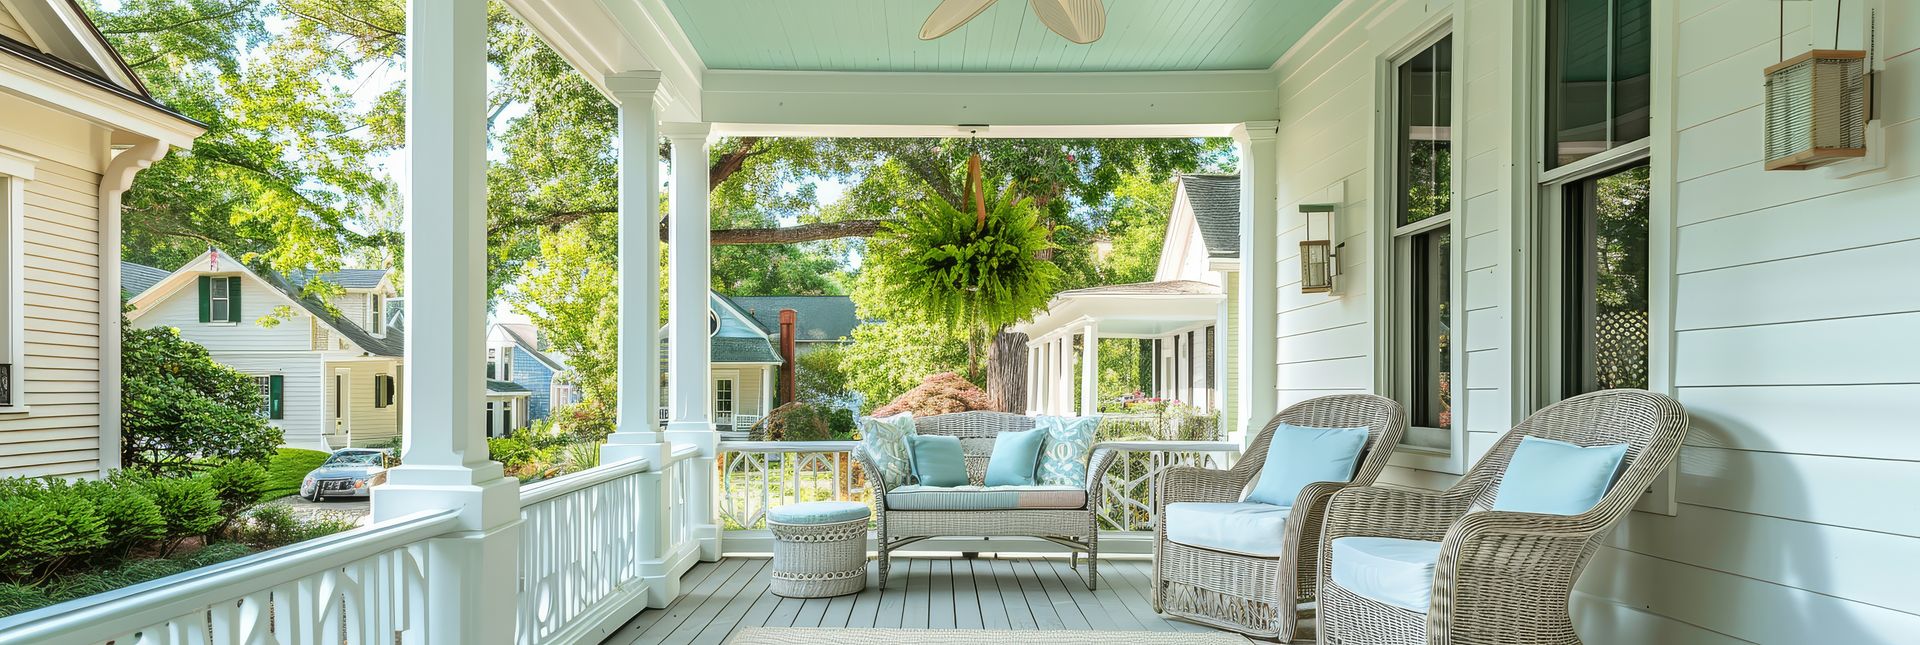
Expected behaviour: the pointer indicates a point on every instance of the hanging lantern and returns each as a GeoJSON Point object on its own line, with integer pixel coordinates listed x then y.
{"type": "Point", "coordinates": [1317, 257]}
{"type": "Point", "coordinates": [1816, 109]}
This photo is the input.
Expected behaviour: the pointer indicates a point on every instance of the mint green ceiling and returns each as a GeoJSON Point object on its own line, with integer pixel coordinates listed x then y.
{"type": "Point", "coordinates": [883, 35]}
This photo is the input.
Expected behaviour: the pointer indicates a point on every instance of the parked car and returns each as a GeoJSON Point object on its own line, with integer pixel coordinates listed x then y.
{"type": "Point", "coordinates": [348, 472]}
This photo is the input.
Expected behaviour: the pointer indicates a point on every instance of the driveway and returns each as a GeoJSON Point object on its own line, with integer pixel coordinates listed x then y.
{"type": "Point", "coordinates": [354, 510]}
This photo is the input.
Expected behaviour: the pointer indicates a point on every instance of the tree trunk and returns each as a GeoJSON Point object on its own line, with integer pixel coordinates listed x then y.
{"type": "Point", "coordinates": [1007, 373]}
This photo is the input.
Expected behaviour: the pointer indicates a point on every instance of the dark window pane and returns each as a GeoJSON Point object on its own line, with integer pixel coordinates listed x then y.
{"type": "Point", "coordinates": [1432, 403]}
{"type": "Point", "coordinates": [1598, 74]}
{"type": "Point", "coordinates": [1606, 320]}
{"type": "Point", "coordinates": [1425, 131]}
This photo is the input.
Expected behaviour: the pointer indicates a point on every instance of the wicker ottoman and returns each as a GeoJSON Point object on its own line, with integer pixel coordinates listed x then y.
{"type": "Point", "coordinates": [819, 549]}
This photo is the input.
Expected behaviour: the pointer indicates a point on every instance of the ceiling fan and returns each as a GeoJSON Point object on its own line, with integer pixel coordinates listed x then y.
{"type": "Point", "coordinates": [1081, 21]}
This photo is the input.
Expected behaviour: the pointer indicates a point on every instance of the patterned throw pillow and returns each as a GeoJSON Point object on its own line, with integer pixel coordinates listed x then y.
{"type": "Point", "coordinates": [886, 442]}
{"type": "Point", "coordinates": [1063, 455]}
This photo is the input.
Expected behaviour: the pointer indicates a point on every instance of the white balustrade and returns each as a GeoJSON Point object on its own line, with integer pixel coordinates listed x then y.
{"type": "Point", "coordinates": [367, 585]}
{"type": "Point", "coordinates": [580, 547]}
{"type": "Point", "coordinates": [1128, 493]}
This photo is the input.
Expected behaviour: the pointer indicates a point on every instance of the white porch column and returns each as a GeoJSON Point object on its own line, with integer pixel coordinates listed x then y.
{"type": "Point", "coordinates": [1090, 371]}
{"type": "Point", "coordinates": [638, 400]}
{"type": "Point", "coordinates": [689, 359]}
{"type": "Point", "coordinates": [1033, 375]}
{"type": "Point", "coordinates": [1063, 375]}
{"type": "Point", "coordinates": [471, 578]}
{"type": "Point", "coordinates": [1259, 270]}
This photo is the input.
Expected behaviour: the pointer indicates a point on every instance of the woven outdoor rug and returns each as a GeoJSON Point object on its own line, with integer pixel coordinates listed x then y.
{"type": "Point", "coordinates": [830, 636]}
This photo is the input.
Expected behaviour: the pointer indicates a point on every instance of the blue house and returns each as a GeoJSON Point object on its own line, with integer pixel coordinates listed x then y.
{"type": "Point", "coordinates": [513, 356]}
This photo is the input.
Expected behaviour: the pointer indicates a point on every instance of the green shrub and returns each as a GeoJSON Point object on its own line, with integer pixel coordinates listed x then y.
{"type": "Point", "coordinates": [238, 484]}
{"type": "Point", "coordinates": [216, 553]}
{"type": "Point", "coordinates": [287, 468]}
{"type": "Point", "coordinates": [585, 421]}
{"type": "Point", "coordinates": [131, 516]}
{"type": "Point", "coordinates": [29, 535]}
{"type": "Point", "coordinates": [178, 408]}
{"type": "Point", "coordinates": [81, 530]}
{"type": "Point", "coordinates": [269, 525]}
{"type": "Point", "coordinates": [510, 451]}
{"type": "Point", "coordinates": [15, 598]}
{"type": "Point", "coordinates": [189, 505]}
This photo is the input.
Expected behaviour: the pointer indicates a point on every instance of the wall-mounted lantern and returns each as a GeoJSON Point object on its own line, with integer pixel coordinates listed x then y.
{"type": "Point", "coordinates": [1319, 255]}
{"type": "Point", "coordinates": [1817, 109]}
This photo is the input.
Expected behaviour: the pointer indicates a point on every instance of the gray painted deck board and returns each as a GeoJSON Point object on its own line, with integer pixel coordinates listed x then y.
{"type": "Point", "coordinates": [995, 593]}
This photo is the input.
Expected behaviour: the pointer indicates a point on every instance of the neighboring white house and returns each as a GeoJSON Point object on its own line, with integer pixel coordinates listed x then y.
{"type": "Point", "coordinates": [329, 377]}
{"type": "Point", "coordinates": [1187, 317]}
{"type": "Point", "coordinates": [743, 366]}
{"type": "Point", "coordinates": [75, 126]}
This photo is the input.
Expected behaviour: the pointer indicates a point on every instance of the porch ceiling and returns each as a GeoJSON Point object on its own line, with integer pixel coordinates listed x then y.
{"type": "Point", "coordinates": [1129, 310]}
{"type": "Point", "coordinates": [883, 36]}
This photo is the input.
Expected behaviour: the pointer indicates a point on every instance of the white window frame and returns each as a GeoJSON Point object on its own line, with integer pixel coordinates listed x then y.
{"type": "Point", "coordinates": [377, 304]}
{"type": "Point", "coordinates": [215, 315]}
{"type": "Point", "coordinates": [16, 169]}
{"type": "Point", "coordinates": [1537, 358]}
{"type": "Point", "coordinates": [265, 383]}
{"type": "Point", "coordinates": [1393, 243]}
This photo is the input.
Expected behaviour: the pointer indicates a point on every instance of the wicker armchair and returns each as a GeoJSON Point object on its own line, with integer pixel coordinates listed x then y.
{"type": "Point", "coordinates": [1255, 595]}
{"type": "Point", "coordinates": [1501, 576]}
{"type": "Point", "coordinates": [1074, 528]}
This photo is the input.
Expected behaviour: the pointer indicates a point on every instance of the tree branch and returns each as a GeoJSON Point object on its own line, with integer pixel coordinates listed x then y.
{"type": "Point", "coordinates": [732, 162]}
{"type": "Point", "coordinates": [721, 237]}
{"type": "Point", "coordinates": [175, 25]}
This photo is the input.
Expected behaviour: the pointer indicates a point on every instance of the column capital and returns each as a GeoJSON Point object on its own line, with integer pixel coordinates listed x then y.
{"type": "Point", "coordinates": [1256, 131]}
{"type": "Point", "coordinates": [634, 83]}
{"type": "Point", "coordinates": [683, 130]}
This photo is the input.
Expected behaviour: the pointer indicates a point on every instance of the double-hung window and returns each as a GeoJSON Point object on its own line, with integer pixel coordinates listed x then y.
{"type": "Point", "coordinates": [15, 171]}
{"type": "Point", "coordinates": [1592, 272]}
{"type": "Point", "coordinates": [272, 396]}
{"type": "Point", "coordinates": [219, 299]}
{"type": "Point", "coordinates": [1422, 301]}
{"type": "Point", "coordinates": [377, 305]}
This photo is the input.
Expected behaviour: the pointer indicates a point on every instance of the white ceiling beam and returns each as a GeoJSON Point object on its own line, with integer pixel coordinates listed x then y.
{"type": "Point", "coordinates": [1091, 104]}
{"type": "Point", "coordinates": [604, 37]}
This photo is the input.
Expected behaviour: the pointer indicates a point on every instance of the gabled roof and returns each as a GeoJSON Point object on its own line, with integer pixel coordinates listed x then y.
{"type": "Point", "coordinates": [393, 345]}
{"type": "Point", "coordinates": [1165, 288]}
{"type": "Point", "coordinates": [136, 279]}
{"type": "Point", "coordinates": [497, 386]}
{"type": "Point", "coordinates": [738, 339]}
{"type": "Point", "coordinates": [818, 318]}
{"type": "Point", "coordinates": [65, 40]}
{"type": "Point", "coordinates": [520, 337]}
{"type": "Point", "coordinates": [1215, 200]}
{"type": "Point", "coordinates": [345, 278]}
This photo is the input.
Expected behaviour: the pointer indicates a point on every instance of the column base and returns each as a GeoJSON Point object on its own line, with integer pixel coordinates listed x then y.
{"type": "Point", "coordinates": [621, 446]}
{"type": "Point", "coordinates": [487, 497]}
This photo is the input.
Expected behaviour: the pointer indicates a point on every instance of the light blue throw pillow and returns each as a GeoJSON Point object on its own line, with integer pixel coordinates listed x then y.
{"type": "Point", "coordinates": [938, 460]}
{"type": "Point", "coordinates": [1063, 456]}
{"type": "Point", "coordinates": [1556, 477]}
{"type": "Point", "coordinates": [885, 440]}
{"type": "Point", "coordinates": [1298, 456]}
{"type": "Point", "coordinates": [1016, 457]}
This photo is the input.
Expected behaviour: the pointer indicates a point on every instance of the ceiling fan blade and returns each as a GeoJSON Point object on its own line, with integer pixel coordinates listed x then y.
{"type": "Point", "coordinates": [950, 15]}
{"type": "Point", "coordinates": [1081, 21]}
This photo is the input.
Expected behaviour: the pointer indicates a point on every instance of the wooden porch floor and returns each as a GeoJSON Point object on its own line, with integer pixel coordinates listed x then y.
{"type": "Point", "coordinates": [925, 593]}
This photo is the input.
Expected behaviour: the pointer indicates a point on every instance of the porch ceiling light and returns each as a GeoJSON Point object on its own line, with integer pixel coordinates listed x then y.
{"type": "Point", "coordinates": [1319, 260]}
{"type": "Point", "coordinates": [1816, 109]}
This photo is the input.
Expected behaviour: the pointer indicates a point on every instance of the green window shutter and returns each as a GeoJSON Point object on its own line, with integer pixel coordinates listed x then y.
{"type": "Point", "coordinates": [277, 395]}
{"type": "Point", "coordinates": [233, 299]}
{"type": "Point", "coordinates": [206, 302]}
{"type": "Point", "coordinates": [380, 391]}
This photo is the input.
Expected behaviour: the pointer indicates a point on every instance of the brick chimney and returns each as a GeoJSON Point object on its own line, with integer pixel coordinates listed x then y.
{"type": "Point", "coordinates": [788, 320]}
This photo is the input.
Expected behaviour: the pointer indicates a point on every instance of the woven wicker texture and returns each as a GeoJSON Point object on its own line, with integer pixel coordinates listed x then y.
{"type": "Point", "coordinates": [1502, 577]}
{"type": "Point", "coordinates": [818, 636]}
{"type": "Point", "coordinates": [1253, 595]}
{"type": "Point", "coordinates": [1075, 529]}
{"type": "Point", "coordinates": [819, 560]}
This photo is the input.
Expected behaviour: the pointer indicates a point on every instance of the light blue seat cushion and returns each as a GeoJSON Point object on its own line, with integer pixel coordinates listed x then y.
{"type": "Point", "coordinates": [1251, 528]}
{"type": "Point", "coordinates": [1016, 456]}
{"type": "Point", "coordinates": [1556, 477]}
{"type": "Point", "coordinates": [1390, 570]}
{"type": "Point", "coordinates": [1063, 455]}
{"type": "Point", "coordinates": [985, 498]}
{"type": "Point", "coordinates": [1300, 455]}
{"type": "Point", "coordinates": [818, 513]}
{"type": "Point", "coordinates": [885, 442]}
{"type": "Point", "coordinates": [937, 460]}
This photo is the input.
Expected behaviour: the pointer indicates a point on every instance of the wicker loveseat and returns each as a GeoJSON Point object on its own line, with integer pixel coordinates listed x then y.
{"type": "Point", "coordinates": [1060, 514]}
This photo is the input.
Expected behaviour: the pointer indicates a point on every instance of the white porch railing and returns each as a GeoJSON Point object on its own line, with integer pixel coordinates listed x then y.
{"type": "Point", "coordinates": [595, 547]}
{"type": "Point", "coordinates": [367, 585]}
{"type": "Point", "coordinates": [759, 475]}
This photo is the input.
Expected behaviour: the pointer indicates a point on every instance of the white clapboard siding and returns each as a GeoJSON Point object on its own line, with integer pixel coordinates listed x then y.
{"type": "Point", "coordinates": [181, 309]}
{"type": "Point", "coordinates": [371, 425]}
{"type": "Point", "coordinates": [300, 389]}
{"type": "Point", "coordinates": [59, 375]}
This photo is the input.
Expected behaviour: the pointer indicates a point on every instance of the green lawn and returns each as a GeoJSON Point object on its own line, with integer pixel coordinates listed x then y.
{"type": "Point", "coordinates": [286, 469]}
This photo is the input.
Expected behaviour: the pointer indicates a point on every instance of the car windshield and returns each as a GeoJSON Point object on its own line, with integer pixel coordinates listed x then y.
{"type": "Point", "coordinates": [354, 459]}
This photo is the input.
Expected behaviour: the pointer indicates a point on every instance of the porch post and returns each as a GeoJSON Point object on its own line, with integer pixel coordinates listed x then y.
{"type": "Point", "coordinates": [637, 433]}
{"type": "Point", "coordinates": [689, 360]}
{"type": "Point", "coordinates": [1259, 272]}
{"type": "Point", "coordinates": [1090, 371]}
{"type": "Point", "coordinates": [472, 579]}
{"type": "Point", "coordinates": [1033, 376]}
{"type": "Point", "coordinates": [1063, 375]}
